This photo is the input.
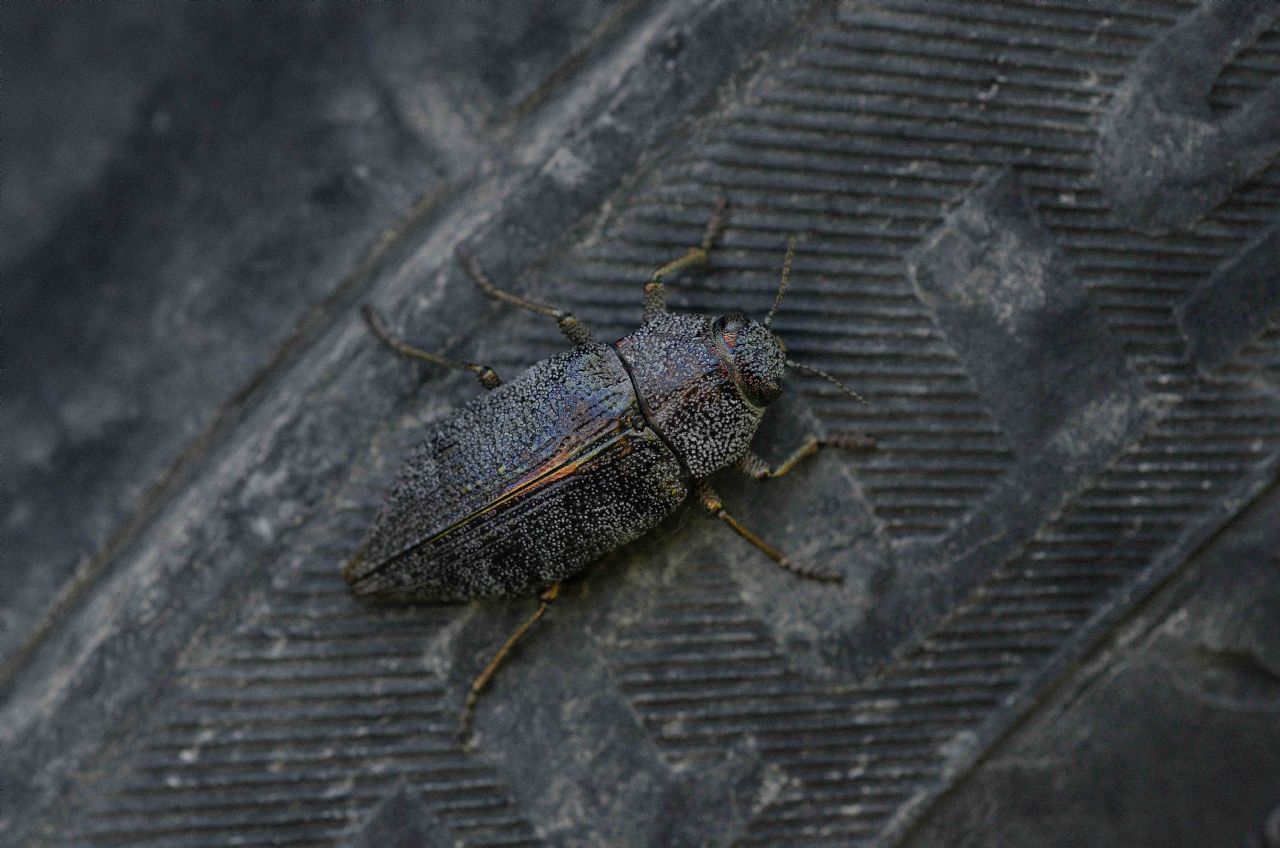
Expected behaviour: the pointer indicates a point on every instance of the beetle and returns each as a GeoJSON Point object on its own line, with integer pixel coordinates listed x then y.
{"type": "Point", "coordinates": [585, 451]}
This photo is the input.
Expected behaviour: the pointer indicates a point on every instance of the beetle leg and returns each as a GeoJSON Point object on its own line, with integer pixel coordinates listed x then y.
{"type": "Point", "coordinates": [711, 503]}
{"type": "Point", "coordinates": [486, 375]}
{"type": "Point", "coordinates": [755, 466]}
{"type": "Point", "coordinates": [574, 330]}
{"type": "Point", "coordinates": [485, 677]}
{"type": "Point", "coordinates": [655, 293]}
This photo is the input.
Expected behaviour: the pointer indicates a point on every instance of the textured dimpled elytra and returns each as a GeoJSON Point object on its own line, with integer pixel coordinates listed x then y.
{"type": "Point", "coordinates": [581, 474]}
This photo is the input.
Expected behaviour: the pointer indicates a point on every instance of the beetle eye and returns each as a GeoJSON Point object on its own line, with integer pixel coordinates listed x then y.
{"type": "Point", "coordinates": [730, 327]}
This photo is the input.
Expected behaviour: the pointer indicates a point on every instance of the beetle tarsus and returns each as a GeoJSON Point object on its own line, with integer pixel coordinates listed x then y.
{"type": "Point", "coordinates": [574, 330]}
{"type": "Point", "coordinates": [655, 292]}
{"type": "Point", "coordinates": [711, 503]}
{"type": "Point", "coordinates": [755, 466]}
{"type": "Point", "coordinates": [715, 224]}
{"type": "Point", "coordinates": [851, 441]}
{"type": "Point", "coordinates": [486, 375]}
{"type": "Point", "coordinates": [810, 572]}
{"type": "Point", "coordinates": [485, 677]}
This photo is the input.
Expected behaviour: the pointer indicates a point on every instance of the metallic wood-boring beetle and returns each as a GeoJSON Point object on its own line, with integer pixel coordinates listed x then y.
{"type": "Point", "coordinates": [584, 452]}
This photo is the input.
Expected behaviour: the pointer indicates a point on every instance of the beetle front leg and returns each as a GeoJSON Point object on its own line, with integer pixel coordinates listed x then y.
{"type": "Point", "coordinates": [655, 293]}
{"type": "Point", "coordinates": [755, 466]}
{"type": "Point", "coordinates": [712, 504]}
{"type": "Point", "coordinates": [574, 330]}
{"type": "Point", "coordinates": [485, 677]}
{"type": "Point", "coordinates": [486, 375]}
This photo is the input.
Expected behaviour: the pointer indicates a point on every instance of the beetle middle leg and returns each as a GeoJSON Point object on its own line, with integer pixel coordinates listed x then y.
{"type": "Point", "coordinates": [757, 467]}
{"type": "Point", "coordinates": [486, 375]}
{"type": "Point", "coordinates": [574, 330]}
{"type": "Point", "coordinates": [486, 676]}
{"type": "Point", "coordinates": [711, 503]}
{"type": "Point", "coordinates": [655, 293]}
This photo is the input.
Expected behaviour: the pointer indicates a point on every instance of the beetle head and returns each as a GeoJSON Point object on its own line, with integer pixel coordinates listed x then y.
{"type": "Point", "coordinates": [756, 358]}
{"type": "Point", "coordinates": [759, 357]}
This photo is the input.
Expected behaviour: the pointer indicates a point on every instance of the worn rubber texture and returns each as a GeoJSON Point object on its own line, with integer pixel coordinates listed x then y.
{"type": "Point", "coordinates": [1041, 238]}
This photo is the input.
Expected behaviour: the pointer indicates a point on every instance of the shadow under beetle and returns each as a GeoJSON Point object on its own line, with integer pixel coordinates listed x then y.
{"type": "Point", "coordinates": [582, 453]}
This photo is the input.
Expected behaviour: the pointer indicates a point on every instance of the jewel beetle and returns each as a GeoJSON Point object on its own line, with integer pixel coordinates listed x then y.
{"type": "Point", "coordinates": [585, 451]}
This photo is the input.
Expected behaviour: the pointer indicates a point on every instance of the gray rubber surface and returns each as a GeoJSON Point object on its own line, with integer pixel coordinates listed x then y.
{"type": "Point", "coordinates": [1041, 238]}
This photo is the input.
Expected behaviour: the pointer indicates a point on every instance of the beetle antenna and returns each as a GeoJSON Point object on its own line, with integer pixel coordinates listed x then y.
{"type": "Point", "coordinates": [817, 372]}
{"type": "Point", "coordinates": [786, 276]}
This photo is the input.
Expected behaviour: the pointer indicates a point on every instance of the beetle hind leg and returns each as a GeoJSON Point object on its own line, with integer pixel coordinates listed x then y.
{"type": "Point", "coordinates": [655, 293]}
{"type": "Point", "coordinates": [574, 330]}
{"type": "Point", "coordinates": [486, 375]}
{"type": "Point", "coordinates": [711, 503]}
{"type": "Point", "coordinates": [485, 677]}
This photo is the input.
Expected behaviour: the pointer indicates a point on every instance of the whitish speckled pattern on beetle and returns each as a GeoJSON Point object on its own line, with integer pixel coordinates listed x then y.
{"type": "Point", "coordinates": [587, 450]}
{"type": "Point", "coordinates": [522, 487]}
{"type": "Point", "coordinates": [584, 452]}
